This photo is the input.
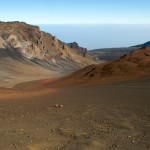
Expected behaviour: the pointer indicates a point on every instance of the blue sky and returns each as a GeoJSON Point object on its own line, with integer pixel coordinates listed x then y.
{"type": "Point", "coordinates": [76, 11]}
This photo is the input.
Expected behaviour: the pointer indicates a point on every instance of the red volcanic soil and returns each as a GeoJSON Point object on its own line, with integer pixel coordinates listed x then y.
{"type": "Point", "coordinates": [133, 65]}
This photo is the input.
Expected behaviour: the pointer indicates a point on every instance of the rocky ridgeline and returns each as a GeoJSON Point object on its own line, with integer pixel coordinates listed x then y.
{"type": "Point", "coordinates": [147, 44]}
{"type": "Point", "coordinates": [32, 43]}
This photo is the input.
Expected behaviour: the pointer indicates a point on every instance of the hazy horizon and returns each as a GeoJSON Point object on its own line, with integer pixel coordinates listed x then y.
{"type": "Point", "coordinates": [94, 36]}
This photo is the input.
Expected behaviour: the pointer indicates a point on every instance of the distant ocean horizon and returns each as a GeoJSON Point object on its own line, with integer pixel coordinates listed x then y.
{"type": "Point", "coordinates": [100, 36]}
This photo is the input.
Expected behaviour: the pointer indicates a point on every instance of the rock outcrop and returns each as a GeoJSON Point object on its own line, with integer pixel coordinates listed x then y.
{"type": "Point", "coordinates": [78, 50]}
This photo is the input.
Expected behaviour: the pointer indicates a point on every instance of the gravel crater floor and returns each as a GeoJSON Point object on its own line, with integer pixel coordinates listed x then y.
{"type": "Point", "coordinates": [112, 116]}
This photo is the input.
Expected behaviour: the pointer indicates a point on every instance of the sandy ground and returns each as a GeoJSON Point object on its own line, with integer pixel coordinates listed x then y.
{"type": "Point", "coordinates": [14, 71]}
{"type": "Point", "coordinates": [93, 117]}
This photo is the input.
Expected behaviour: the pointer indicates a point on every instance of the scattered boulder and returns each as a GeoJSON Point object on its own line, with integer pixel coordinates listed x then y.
{"type": "Point", "coordinates": [59, 105]}
{"type": "Point", "coordinates": [56, 105]}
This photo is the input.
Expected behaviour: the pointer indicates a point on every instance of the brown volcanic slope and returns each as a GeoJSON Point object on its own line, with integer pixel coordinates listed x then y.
{"type": "Point", "coordinates": [26, 53]}
{"type": "Point", "coordinates": [134, 64]}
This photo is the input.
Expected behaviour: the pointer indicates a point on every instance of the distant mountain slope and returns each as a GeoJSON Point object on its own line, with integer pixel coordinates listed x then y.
{"type": "Point", "coordinates": [147, 44]}
{"type": "Point", "coordinates": [24, 47]}
{"type": "Point", "coordinates": [109, 54]}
